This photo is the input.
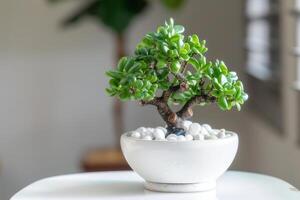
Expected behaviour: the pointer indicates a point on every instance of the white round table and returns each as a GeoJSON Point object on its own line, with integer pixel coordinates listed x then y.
{"type": "Point", "coordinates": [232, 185]}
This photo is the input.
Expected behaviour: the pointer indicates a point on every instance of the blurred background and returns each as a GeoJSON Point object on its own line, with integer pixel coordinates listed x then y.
{"type": "Point", "coordinates": [55, 117]}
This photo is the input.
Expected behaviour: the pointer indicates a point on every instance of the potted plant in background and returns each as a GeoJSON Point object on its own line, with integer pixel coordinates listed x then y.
{"type": "Point", "coordinates": [116, 15]}
{"type": "Point", "coordinates": [169, 69]}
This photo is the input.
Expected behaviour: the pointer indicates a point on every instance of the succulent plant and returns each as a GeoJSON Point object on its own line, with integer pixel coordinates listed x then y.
{"type": "Point", "coordinates": [170, 68]}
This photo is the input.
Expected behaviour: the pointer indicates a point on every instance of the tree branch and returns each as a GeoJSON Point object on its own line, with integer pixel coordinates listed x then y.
{"type": "Point", "coordinates": [184, 66]}
{"type": "Point", "coordinates": [164, 110]}
{"type": "Point", "coordinates": [179, 76]}
{"type": "Point", "coordinates": [166, 94]}
{"type": "Point", "coordinates": [186, 111]}
{"type": "Point", "coordinates": [154, 102]}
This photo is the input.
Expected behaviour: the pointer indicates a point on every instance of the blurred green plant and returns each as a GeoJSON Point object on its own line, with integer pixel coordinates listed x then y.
{"type": "Point", "coordinates": [117, 16]}
{"type": "Point", "coordinates": [170, 68]}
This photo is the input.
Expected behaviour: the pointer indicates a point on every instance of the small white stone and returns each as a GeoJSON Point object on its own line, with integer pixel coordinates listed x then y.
{"type": "Point", "coordinates": [180, 138]}
{"type": "Point", "coordinates": [207, 127]}
{"type": "Point", "coordinates": [211, 137]}
{"type": "Point", "coordinates": [189, 137]}
{"type": "Point", "coordinates": [135, 134]}
{"type": "Point", "coordinates": [172, 137]}
{"type": "Point", "coordinates": [222, 133]}
{"type": "Point", "coordinates": [141, 130]}
{"type": "Point", "coordinates": [147, 137]}
{"type": "Point", "coordinates": [213, 132]}
{"type": "Point", "coordinates": [204, 131]}
{"type": "Point", "coordinates": [185, 124]}
{"type": "Point", "coordinates": [143, 134]}
{"type": "Point", "coordinates": [199, 137]}
{"type": "Point", "coordinates": [194, 129]}
{"type": "Point", "coordinates": [150, 130]}
{"type": "Point", "coordinates": [158, 134]}
{"type": "Point", "coordinates": [163, 129]}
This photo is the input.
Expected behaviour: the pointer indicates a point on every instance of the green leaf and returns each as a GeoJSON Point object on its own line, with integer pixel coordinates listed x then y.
{"type": "Point", "coordinates": [175, 67]}
{"type": "Point", "coordinates": [129, 63]}
{"type": "Point", "coordinates": [222, 79]}
{"type": "Point", "coordinates": [217, 84]}
{"type": "Point", "coordinates": [134, 68]}
{"type": "Point", "coordinates": [153, 78]}
{"type": "Point", "coordinates": [179, 29]}
{"type": "Point", "coordinates": [193, 62]}
{"type": "Point", "coordinates": [164, 48]}
{"type": "Point", "coordinates": [161, 64]}
{"type": "Point", "coordinates": [195, 39]}
{"type": "Point", "coordinates": [223, 68]}
{"type": "Point", "coordinates": [230, 91]}
{"type": "Point", "coordinates": [194, 49]}
{"type": "Point", "coordinates": [163, 73]}
{"type": "Point", "coordinates": [113, 82]}
{"type": "Point", "coordinates": [173, 53]}
{"type": "Point", "coordinates": [139, 84]}
{"type": "Point", "coordinates": [114, 74]}
{"type": "Point", "coordinates": [171, 21]}
{"type": "Point", "coordinates": [175, 38]}
{"type": "Point", "coordinates": [164, 85]}
{"type": "Point", "coordinates": [186, 46]}
{"type": "Point", "coordinates": [183, 51]}
{"type": "Point", "coordinates": [122, 63]}
{"type": "Point", "coordinates": [222, 102]}
{"type": "Point", "coordinates": [238, 106]}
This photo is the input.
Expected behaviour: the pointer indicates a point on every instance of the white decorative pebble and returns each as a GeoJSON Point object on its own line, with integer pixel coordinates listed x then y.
{"type": "Point", "coordinates": [172, 137]}
{"type": "Point", "coordinates": [189, 137]}
{"type": "Point", "coordinates": [222, 133]}
{"type": "Point", "coordinates": [163, 129]}
{"type": "Point", "coordinates": [147, 137]}
{"type": "Point", "coordinates": [135, 134]}
{"type": "Point", "coordinates": [149, 131]}
{"type": "Point", "coordinates": [211, 137]}
{"type": "Point", "coordinates": [204, 131]}
{"type": "Point", "coordinates": [199, 137]}
{"type": "Point", "coordinates": [194, 129]}
{"type": "Point", "coordinates": [141, 130]}
{"type": "Point", "coordinates": [158, 134]}
{"type": "Point", "coordinates": [213, 132]}
{"type": "Point", "coordinates": [185, 124]}
{"type": "Point", "coordinates": [144, 134]}
{"type": "Point", "coordinates": [180, 138]}
{"type": "Point", "coordinates": [206, 126]}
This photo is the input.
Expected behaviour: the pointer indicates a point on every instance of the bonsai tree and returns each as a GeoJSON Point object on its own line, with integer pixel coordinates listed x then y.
{"type": "Point", "coordinates": [171, 68]}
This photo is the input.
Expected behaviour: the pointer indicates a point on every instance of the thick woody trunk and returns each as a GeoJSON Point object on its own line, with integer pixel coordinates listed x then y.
{"type": "Point", "coordinates": [170, 117]}
{"type": "Point", "coordinates": [118, 122]}
{"type": "Point", "coordinates": [167, 114]}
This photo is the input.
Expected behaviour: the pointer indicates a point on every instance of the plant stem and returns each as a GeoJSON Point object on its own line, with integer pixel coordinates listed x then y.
{"type": "Point", "coordinates": [118, 122]}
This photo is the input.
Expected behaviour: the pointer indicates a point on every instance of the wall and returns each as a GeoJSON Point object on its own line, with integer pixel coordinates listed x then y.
{"type": "Point", "coordinates": [53, 106]}
{"type": "Point", "coordinates": [273, 152]}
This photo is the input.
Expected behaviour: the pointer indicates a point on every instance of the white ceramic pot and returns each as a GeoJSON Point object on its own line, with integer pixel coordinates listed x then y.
{"type": "Point", "coordinates": [185, 166]}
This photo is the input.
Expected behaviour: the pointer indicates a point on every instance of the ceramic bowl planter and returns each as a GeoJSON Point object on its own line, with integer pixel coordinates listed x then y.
{"type": "Point", "coordinates": [187, 166]}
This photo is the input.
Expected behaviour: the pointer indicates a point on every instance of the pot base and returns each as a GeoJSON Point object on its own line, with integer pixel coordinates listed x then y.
{"type": "Point", "coordinates": [180, 187]}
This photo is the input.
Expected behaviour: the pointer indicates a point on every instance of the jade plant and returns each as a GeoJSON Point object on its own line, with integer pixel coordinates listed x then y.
{"type": "Point", "coordinates": [169, 68]}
